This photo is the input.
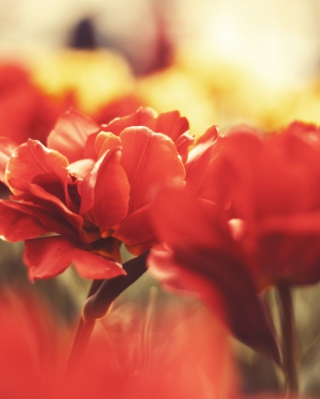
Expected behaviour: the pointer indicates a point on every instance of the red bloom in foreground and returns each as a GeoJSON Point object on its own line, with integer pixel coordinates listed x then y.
{"type": "Point", "coordinates": [90, 188]}
{"type": "Point", "coordinates": [132, 354]}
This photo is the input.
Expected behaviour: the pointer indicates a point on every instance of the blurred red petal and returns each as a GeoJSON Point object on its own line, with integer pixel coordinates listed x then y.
{"type": "Point", "coordinates": [203, 246]}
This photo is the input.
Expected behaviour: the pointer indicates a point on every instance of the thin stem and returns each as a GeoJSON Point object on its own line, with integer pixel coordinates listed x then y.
{"type": "Point", "coordinates": [99, 301]}
{"type": "Point", "coordinates": [99, 304]}
{"type": "Point", "coordinates": [288, 332]}
{"type": "Point", "coordinates": [80, 344]}
{"type": "Point", "coordinates": [82, 336]}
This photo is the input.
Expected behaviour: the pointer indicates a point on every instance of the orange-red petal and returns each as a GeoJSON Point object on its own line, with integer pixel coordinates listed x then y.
{"type": "Point", "coordinates": [199, 159]}
{"type": "Point", "coordinates": [32, 162]}
{"type": "Point", "coordinates": [151, 161]}
{"type": "Point", "coordinates": [16, 225]}
{"type": "Point", "coordinates": [50, 256]}
{"type": "Point", "coordinates": [137, 228]}
{"type": "Point", "coordinates": [7, 146]}
{"type": "Point", "coordinates": [106, 191]}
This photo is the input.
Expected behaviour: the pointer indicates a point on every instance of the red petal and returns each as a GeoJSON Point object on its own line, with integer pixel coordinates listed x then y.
{"type": "Point", "coordinates": [142, 117]}
{"type": "Point", "coordinates": [151, 161]}
{"type": "Point", "coordinates": [106, 191]}
{"type": "Point", "coordinates": [15, 225]}
{"type": "Point", "coordinates": [81, 168]}
{"type": "Point", "coordinates": [7, 146]}
{"type": "Point", "coordinates": [33, 163]}
{"type": "Point", "coordinates": [199, 158]}
{"type": "Point", "coordinates": [50, 256]}
{"type": "Point", "coordinates": [106, 141]}
{"type": "Point", "coordinates": [182, 145]}
{"type": "Point", "coordinates": [137, 228]}
{"type": "Point", "coordinates": [168, 123]}
{"type": "Point", "coordinates": [51, 211]}
{"type": "Point", "coordinates": [70, 135]}
{"type": "Point", "coordinates": [172, 124]}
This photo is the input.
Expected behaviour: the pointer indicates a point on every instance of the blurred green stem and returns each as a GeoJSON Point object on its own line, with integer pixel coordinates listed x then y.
{"type": "Point", "coordinates": [82, 336]}
{"type": "Point", "coordinates": [288, 338]}
{"type": "Point", "coordinates": [99, 301]}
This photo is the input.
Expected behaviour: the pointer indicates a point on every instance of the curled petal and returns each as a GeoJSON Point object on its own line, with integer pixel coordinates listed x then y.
{"type": "Point", "coordinates": [106, 141]}
{"type": "Point", "coordinates": [32, 162]}
{"type": "Point", "coordinates": [106, 191]}
{"type": "Point", "coordinates": [199, 159]}
{"type": "Point", "coordinates": [50, 256]}
{"type": "Point", "coordinates": [70, 135]}
{"type": "Point", "coordinates": [7, 146]}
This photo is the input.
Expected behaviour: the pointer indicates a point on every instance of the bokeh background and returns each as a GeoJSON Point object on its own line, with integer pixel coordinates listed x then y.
{"type": "Point", "coordinates": [217, 62]}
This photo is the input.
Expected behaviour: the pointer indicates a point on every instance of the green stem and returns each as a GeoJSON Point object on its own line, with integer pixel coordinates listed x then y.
{"type": "Point", "coordinates": [98, 304]}
{"type": "Point", "coordinates": [288, 333]}
{"type": "Point", "coordinates": [99, 301]}
{"type": "Point", "coordinates": [82, 336]}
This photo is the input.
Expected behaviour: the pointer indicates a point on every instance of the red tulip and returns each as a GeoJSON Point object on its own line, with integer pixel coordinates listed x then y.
{"type": "Point", "coordinates": [270, 185]}
{"type": "Point", "coordinates": [75, 200]}
{"type": "Point", "coordinates": [253, 221]}
{"type": "Point", "coordinates": [200, 256]}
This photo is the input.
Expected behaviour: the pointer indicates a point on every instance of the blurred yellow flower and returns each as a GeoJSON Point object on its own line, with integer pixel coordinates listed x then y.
{"type": "Point", "coordinates": [91, 78]}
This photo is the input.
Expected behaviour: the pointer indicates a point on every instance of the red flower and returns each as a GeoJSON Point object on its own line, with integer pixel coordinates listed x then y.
{"type": "Point", "coordinates": [270, 185]}
{"type": "Point", "coordinates": [201, 256]}
{"type": "Point", "coordinates": [255, 222]}
{"type": "Point", "coordinates": [90, 188]}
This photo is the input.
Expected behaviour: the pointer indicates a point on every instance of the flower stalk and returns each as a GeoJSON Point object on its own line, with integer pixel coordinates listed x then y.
{"type": "Point", "coordinates": [288, 336]}
{"type": "Point", "coordinates": [100, 299]}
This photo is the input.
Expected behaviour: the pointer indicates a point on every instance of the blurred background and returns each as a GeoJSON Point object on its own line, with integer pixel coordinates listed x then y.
{"type": "Point", "coordinates": [242, 61]}
{"type": "Point", "coordinates": [277, 39]}
{"type": "Point", "coordinates": [217, 62]}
